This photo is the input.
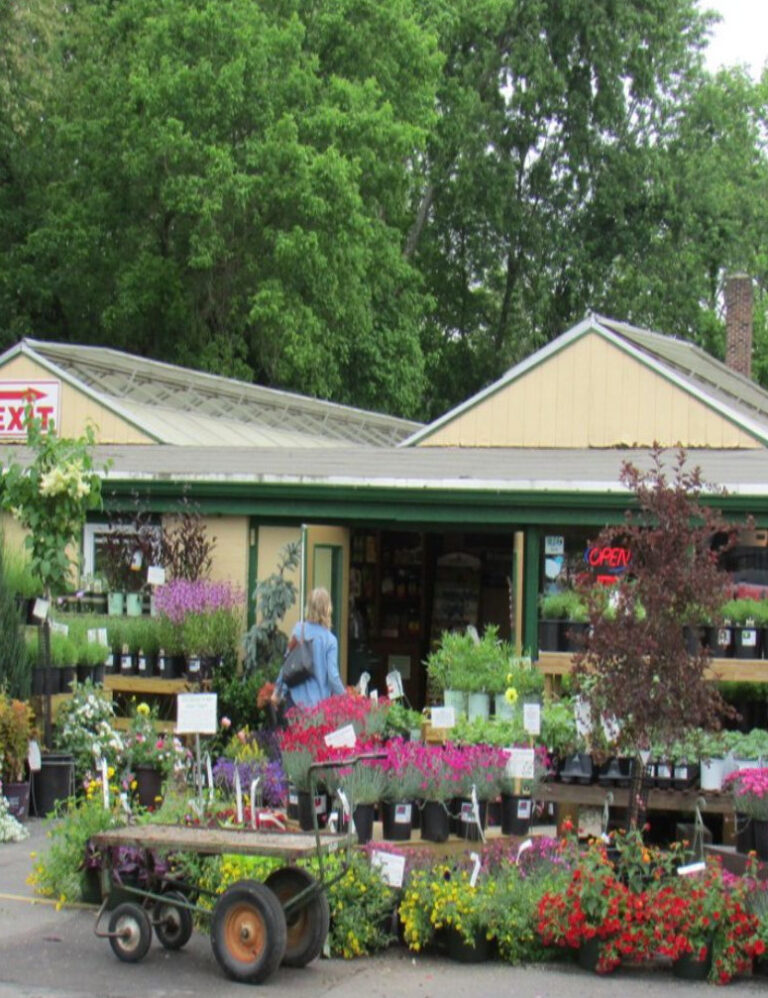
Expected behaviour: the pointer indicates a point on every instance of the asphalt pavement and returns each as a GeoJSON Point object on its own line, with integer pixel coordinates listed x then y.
{"type": "Point", "coordinates": [46, 953]}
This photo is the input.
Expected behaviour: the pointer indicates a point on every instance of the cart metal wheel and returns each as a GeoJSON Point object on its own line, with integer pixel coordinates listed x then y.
{"type": "Point", "coordinates": [307, 927]}
{"type": "Point", "coordinates": [248, 932]}
{"type": "Point", "coordinates": [173, 922]}
{"type": "Point", "coordinates": [130, 932]}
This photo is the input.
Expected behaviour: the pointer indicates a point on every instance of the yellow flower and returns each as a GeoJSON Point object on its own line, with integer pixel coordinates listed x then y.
{"type": "Point", "coordinates": [143, 708]}
{"type": "Point", "coordinates": [511, 695]}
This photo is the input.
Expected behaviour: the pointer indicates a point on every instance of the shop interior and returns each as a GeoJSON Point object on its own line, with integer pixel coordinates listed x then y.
{"type": "Point", "coordinates": [407, 587]}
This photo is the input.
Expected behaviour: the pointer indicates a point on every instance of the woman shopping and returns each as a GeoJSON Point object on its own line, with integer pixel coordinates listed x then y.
{"type": "Point", "coordinates": [326, 681]}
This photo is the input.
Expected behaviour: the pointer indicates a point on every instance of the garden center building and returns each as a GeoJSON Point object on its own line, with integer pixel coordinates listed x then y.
{"type": "Point", "coordinates": [415, 529]}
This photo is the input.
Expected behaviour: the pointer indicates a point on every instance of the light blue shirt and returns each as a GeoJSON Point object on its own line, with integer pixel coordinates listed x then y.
{"type": "Point", "coordinates": [326, 681]}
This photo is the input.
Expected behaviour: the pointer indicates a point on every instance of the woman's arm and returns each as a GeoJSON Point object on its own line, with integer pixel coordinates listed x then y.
{"type": "Point", "coordinates": [332, 667]}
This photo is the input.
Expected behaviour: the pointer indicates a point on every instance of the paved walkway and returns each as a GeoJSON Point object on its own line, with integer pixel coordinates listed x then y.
{"type": "Point", "coordinates": [45, 953]}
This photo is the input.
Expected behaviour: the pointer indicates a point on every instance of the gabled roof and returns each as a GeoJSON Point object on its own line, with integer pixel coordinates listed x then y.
{"type": "Point", "coordinates": [177, 405]}
{"type": "Point", "coordinates": [692, 369]}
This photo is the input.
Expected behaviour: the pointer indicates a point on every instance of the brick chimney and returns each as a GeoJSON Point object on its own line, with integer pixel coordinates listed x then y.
{"type": "Point", "coordinates": [738, 323]}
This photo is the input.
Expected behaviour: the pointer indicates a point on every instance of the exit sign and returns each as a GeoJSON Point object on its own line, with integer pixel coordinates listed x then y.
{"type": "Point", "coordinates": [17, 396]}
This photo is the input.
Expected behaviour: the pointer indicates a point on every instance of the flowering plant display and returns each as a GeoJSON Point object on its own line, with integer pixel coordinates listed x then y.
{"type": "Point", "coordinates": [11, 830]}
{"type": "Point", "coordinates": [444, 898]}
{"type": "Point", "coordinates": [708, 918]}
{"type": "Point", "coordinates": [207, 616]}
{"type": "Point", "coordinates": [750, 792]}
{"type": "Point", "coordinates": [84, 727]}
{"type": "Point", "coordinates": [144, 746]}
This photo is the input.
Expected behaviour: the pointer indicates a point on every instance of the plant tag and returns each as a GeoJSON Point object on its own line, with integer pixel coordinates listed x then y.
{"type": "Point", "coordinates": [344, 803]}
{"type": "Point", "coordinates": [583, 717]}
{"type": "Point", "coordinates": [467, 813]}
{"type": "Point", "coordinates": [443, 717]}
{"type": "Point", "coordinates": [394, 685]}
{"type": "Point", "coordinates": [520, 763]}
{"type": "Point", "coordinates": [645, 755]}
{"type": "Point", "coordinates": [363, 683]}
{"type": "Point", "coordinates": [238, 795]}
{"type": "Point", "coordinates": [142, 663]}
{"type": "Point", "coordinates": [532, 718]}
{"type": "Point", "coordinates": [403, 814]}
{"type": "Point", "coordinates": [320, 804]}
{"type": "Point", "coordinates": [58, 628]}
{"type": "Point", "coordinates": [374, 696]}
{"type": "Point", "coordinates": [156, 575]}
{"type": "Point", "coordinates": [690, 869]}
{"type": "Point", "coordinates": [475, 869]}
{"type": "Point", "coordinates": [293, 797]}
{"type": "Point", "coordinates": [125, 803]}
{"type": "Point", "coordinates": [524, 808]}
{"type": "Point", "coordinates": [342, 737]}
{"type": "Point", "coordinates": [33, 757]}
{"type": "Point", "coordinates": [663, 772]}
{"type": "Point", "coordinates": [104, 784]}
{"type": "Point", "coordinates": [126, 662]}
{"type": "Point", "coordinates": [209, 771]}
{"type": "Point", "coordinates": [391, 867]}
{"type": "Point", "coordinates": [137, 561]}
{"type": "Point", "coordinates": [748, 637]}
{"type": "Point", "coordinates": [193, 665]}
{"type": "Point", "coordinates": [40, 608]}
{"type": "Point", "coordinates": [681, 772]}
{"type": "Point", "coordinates": [523, 847]}
{"type": "Point", "coordinates": [723, 637]}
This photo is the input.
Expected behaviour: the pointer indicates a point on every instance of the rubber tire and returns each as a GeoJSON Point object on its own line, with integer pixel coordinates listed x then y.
{"type": "Point", "coordinates": [130, 916]}
{"type": "Point", "coordinates": [307, 929]}
{"type": "Point", "coordinates": [248, 907]}
{"type": "Point", "coordinates": [176, 934]}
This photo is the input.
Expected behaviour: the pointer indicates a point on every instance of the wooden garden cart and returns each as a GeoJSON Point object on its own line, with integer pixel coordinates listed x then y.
{"type": "Point", "coordinates": [254, 926]}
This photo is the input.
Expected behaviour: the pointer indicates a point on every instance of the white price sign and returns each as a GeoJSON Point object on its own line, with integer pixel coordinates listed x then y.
{"type": "Point", "coordinates": [196, 714]}
{"type": "Point", "coordinates": [342, 737]}
{"type": "Point", "coordinates": [443, 717]}
{"type": "Point", "coordinates": [520, 763]}
{"type": "Point", "coordinates": [391, 867]}
{"type": "Point", "coordinates": [532, 718]}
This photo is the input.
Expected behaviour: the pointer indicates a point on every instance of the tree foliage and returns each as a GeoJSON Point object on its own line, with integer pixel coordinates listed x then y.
{"type": "Point", "coordinates": [381, 202]}
{"type": "Point", "coordinates": [636, 665]}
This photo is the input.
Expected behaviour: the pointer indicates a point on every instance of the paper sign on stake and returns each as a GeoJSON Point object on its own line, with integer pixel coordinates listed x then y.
{"type": "Point", "coordinates": [196, 714]}
{"type": "Point", "coordinates": [443, 717]}
{"type": "Point", "coordinates": [390, 867]}
{"type": "Point", "coordinates": [40, 608]}
{"type": "Point", "coordinates": [342, 737]}
{"type": "Point", "coordinates": [156, 575]}
{"type": "Point", "coordinates": [520, 763]}
{"type": "Point", "coordinates": [532, 718]}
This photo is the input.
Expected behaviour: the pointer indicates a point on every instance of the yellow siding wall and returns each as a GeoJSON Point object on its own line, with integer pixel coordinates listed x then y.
{"type": "Point", "coordinates": [77, 409]}
{"type": "Point", "coordinates": [590, 394]}
{"type": "Point", "coordinates": [271, 539]}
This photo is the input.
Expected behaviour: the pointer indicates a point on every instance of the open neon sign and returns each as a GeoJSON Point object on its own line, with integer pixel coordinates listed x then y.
{"type": "Point", "coordinates": [608, 559]}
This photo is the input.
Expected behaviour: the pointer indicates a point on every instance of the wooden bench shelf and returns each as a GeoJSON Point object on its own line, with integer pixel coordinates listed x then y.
{"type": "Point", "coordinates": [726, 670]}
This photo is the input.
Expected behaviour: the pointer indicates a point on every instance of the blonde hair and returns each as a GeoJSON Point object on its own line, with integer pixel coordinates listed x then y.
{"type": "Point", "coordinates": [319, 609]}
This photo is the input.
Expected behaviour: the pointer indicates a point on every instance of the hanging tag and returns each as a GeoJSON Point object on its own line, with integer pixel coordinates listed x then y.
{"type": "Point", "coordinates": [238, 796]}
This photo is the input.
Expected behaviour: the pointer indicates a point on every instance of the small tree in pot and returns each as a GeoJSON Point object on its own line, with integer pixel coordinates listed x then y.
{"type": "Point", "coordinates": [635, 667]}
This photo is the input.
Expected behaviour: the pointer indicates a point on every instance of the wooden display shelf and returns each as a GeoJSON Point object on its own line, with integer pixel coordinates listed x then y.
{"type": "Point", "coordinates": [594, 795]}
{"type": "Point", "coordinates": [149, 684]}
{"type": "Point", "coordinates": [726, 670]}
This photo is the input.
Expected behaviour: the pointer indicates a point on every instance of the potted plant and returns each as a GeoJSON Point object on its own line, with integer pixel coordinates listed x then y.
{"type": "Point", "coordinates": [15, 732]}
{"type": "Point", "coordinates": [364, 785]}
{"type": "Point", "coordinates": [553, 610]}
{"type": "Point", "coordinates": [750, 799]}
{"type": "Point", "coordinates": [747, 617]}
{"type": "Point", "coordinates": [150, 756]}
{"type": "Point", "coordinates": [712, 751]}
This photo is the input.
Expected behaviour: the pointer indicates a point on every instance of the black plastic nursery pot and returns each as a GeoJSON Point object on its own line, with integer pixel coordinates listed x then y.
{"type": "Point", "coordinates": [515, 814]}
{"type": "Point", "coordinates": [435, 821]}
{"type": "Point", "coordinates": [53, 783]}
{"type": "Point", "coordinates": [396, 818]}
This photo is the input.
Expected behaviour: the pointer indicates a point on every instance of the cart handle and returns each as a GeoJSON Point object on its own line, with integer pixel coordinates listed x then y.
{"type": "Point", "coordinates": [350, 761]}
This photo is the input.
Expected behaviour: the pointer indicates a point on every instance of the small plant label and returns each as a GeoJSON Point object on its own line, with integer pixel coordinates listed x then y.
{"type": "Point", "coordinates": [156, 575]}
{"type": "Point", "coordinates": [390, 866]}
{"type": "Point", "coordinates": [524, 808]}
{"type": "Point", "coordinates": [532, 718]}
{"type": "Point", "coordinates": [40, 608]}
{"type": "Point", "coordinates": [394, 685]}
{"type": "Point", "coordinates": [403, 814]}
{"type": "Point", "coordinates": [523, 847]}
{"type": "Point", "coordinates": [475, 857]}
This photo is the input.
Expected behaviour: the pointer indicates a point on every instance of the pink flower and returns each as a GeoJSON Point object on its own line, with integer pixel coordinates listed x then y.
{"type": "Point", "coordinates": [226, 723]}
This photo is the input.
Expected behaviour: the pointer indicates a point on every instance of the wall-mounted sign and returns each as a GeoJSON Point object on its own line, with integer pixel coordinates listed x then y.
{"type": "Point", "coordinates": [15, 396]}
